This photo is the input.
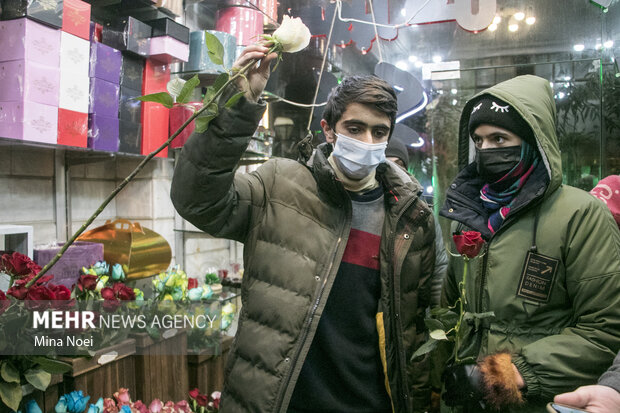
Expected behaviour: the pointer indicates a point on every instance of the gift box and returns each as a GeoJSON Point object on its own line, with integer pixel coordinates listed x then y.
{"type": "Point", "coordinates": [156, 77]}
{"type": "Point", "coordinates": [130, 109]}
{"type": "Point", "coordinates": [245, 23]}
{"type": "Point", "coordinates": [74, 54]}
{"type": "Point", "coordinates": [132, 70]}
{"type": "Point", "coordinates": [168, 27]}
{"type": "Point", "coordinates": [130, 135]}
{"type": "Point", "coordinates": [173, 6]}
{"type": "Point", "coordinates": [48, 12]}
{"type": "Point", "coordinates": [66, 271]}
{"type": "Point", "coordinates": [76, 18]}
{"type": "Point", "coordinates": [26, 39]}
{"type": "Point", "coordinates": [103, 98]}
{"type": "Point", "coordinates": [105, 62]}
{"type": "Point", "coordinates": [103, 133]}
{"type": "Point", "coordinates": [29, 121]}
{"type": "Point", "coordinates": [95, 32]}
{"type": "Point", "coordinates": [128, 34]}
{"type": "Point", "coordinates": [178, 115]}
{"type": "Point", "coordinates": [72, 128]}
{"type": "Point", "coordinates": [168, 50]}
{"type": "Point", "coordinates": [199, 60]}
{"type": "Point", "coordinates": [22, 80]}
{"type": "Point", "coordinates": [74, 91]}
{"type": "Point", "coordinates": [155, 122]}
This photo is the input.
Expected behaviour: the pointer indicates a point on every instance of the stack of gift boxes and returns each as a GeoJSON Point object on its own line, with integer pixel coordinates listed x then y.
{"type": "Point", "coordinates": [77, 86]}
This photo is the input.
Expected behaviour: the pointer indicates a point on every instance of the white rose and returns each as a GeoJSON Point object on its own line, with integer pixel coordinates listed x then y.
{"type": "Point", "coordinates": [292, 34]}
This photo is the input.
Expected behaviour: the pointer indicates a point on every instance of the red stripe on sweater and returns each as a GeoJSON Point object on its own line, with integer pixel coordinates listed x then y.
{"type": "Point", "coordinates": [362, 249]}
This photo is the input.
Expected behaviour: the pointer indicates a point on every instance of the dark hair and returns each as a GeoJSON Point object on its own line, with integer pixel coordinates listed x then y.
{"type": "Point", "coordinates": [367, 90]}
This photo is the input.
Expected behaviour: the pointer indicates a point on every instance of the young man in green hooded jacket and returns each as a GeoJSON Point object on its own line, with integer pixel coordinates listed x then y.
{"type": "Point", "coordinates": [550, 266]}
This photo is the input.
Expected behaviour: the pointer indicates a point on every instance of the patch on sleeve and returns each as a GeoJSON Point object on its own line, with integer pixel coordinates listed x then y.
{"type": "Point", "coordinates": [537, 277]}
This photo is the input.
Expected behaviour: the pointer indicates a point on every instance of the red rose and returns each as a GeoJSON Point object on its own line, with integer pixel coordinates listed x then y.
{"type": "Point", "coordinates": [123, 292]}
{"type": "Point", "coordinates": [34, 267]}
{"type": "Point", "coordinates": [200, 398]}
{"type": "Point", "coordinates": [192, 283]}
{"type": "Point", "coordinates": [468, 243]}
{"type": "Point", "coordinates": [60, 292]}
{"type": "Point", "coordinates": [87, 282]}
{"type": "Point", "coordinates": [28, 278]}
{"type": "Point", "coordinates": [16, 264]}
{"type": "Point", "coordinates": [40, 293]}
{"type": "Point", "coordinates": [139, 406]}
{"type": "Point", "coordinates": [18, 291]}
{"type": "Point", "coordinates": [108, 294]}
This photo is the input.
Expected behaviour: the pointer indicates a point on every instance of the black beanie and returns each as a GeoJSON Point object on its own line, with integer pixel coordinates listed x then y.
{"type": "Point", "coordinates": [397, 149]}
{"type": "Point", "coordinates": [493, 111]}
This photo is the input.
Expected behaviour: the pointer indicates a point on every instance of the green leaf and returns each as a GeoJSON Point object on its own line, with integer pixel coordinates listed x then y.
{"type": "Point", "coordinates": [449, 319]}
{"type": "Point", "coordinates": [439, 311]}
{"type": "Point", "coordinates": [188, 88]}
{"type": "Point", "coordinates": [216, 50]}
{"type": "Point", "coordinates": [203, 120]}
{"type": "Point", "coordinates": [231, 102]}
{"type": "Point", "coordinates": [9, 373]}
{"type": "Point", "coordinates": [52, 366]}
{"type": "Point", "coordinates": [161, 97]}
{"type": "Point", "coordinates": [11, 394]}
{"type": "Point", "coordinates": [425, 348]}
{"type": "Point", "coordinates": [438, 334]}
{"type": "Point", "coordinates": [209, 94]}
{"type": "Point", "coordinates": [433, 324]}
{"type": "Point", "coordinates": [39, 378]}
{"type": "Point", "coordinates": [220, 81]}
{"type": "Point", "coordinates": [175, 86]}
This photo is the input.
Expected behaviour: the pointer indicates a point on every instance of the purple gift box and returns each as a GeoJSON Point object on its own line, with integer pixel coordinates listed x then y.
{"type": "Point", "coordinates": [168, 50]}
{"type": "Point", "coordinates": [29, 121]}
{"type": "Point", "coordinates": [67, 270]}
{"type": "Point", "coordinates": [27, 39]}
{"type": "Point", "coordinates": [105, 62]}
{"type": "Point", "coordinates": [103, 133]}
{"type": "Point", "coordinates": [103, 98]}
{"type": "Point", "coordinates": [30, 81]}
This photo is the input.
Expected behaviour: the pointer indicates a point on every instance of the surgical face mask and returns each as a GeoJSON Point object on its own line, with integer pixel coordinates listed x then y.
{"type": "Point", "coordinates": [494, 163]}
{"type": "Point", "coordinates": [357, 159]}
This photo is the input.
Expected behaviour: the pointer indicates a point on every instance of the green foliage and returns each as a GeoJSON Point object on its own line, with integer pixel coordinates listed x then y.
{"type": "Point", "coordinates": [202, 121]}
{"type": "Point", "coordinates": [38, 378]}
{"type": "Point", "coordinates": [161, 97]}
{"type": "Point", "coordinates": [216, 50]}
{"type": "Point", "coordinates": [231, 102]}
{"type": "Point", "coordinates": [11, 394]}
{"type": "Point", "coordinates": [188, 87]}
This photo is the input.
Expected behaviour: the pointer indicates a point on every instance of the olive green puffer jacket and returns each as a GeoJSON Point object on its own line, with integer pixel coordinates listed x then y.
{"type": "Point", "coordinates": [562, 327]}
{"type": "Point", "coordinates": [294, 221]}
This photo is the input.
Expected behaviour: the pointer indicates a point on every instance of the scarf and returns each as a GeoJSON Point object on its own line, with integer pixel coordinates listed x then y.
{"type": "Point", "coordinates": [497, 197]}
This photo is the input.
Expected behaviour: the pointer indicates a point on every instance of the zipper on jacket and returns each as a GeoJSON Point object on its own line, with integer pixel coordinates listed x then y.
{"type": "Point", "coordinates": [483, 275]}
{"type": "Point", "coordinates": [399, 333]}
{"type": "Point", "coordinates": [308, 323]}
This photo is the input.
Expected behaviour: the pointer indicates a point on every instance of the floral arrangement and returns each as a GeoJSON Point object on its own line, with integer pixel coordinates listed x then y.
{"type": "Point", "coordinates": [175, 285]}
{"type": "Point", "coordinates": [77, 402]}
{"type": "Point", "coordinates": [445, 324]}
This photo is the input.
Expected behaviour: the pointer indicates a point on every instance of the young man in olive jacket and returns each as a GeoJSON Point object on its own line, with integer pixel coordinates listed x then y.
{"type": "Point", "coordinates": [338, 255]}
{"type": "Point", "coordinates": [550, 267]}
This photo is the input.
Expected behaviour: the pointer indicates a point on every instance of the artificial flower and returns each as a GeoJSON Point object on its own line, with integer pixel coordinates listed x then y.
{"type": "Point", "coordinates": [216, 396]}
{"type": "Point", "coordinates": [125, 409]}
{"type": "Point", "coordinates": [156, 406]}
{"type": "Point", "coordinates": [122, 396]}
{"type": "Point", "coordinates": [33, 407]}
{"type": "Point", "coordinates": [76, 401]}
{"type": "Point", "coordinates": [292, 35]}
{"type": "Point", "coordinates": [103, 280]}
{"type": "Point", "coordinates": [183, 406]}
{"type": "Point", "coordinates": [18, 265]}
{"type": "Point", "coordinates": [195, 294]}
{"type": "Point", "coordinates": [200, 398]}
{"type": "Point", "coordinates": [61, 405]}
{"type": "Point", "coordinates": [109, 406]}
{"type": "Point", "coordinates": [192, 283]}
{"type": "Point", "coordinates": [87, 282]}
{"type": "Point", "coordinates": [117, 273]}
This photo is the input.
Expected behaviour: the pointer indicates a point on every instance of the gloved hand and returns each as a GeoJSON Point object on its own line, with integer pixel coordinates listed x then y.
{"type": "Point", "coordinates": [462, 384]}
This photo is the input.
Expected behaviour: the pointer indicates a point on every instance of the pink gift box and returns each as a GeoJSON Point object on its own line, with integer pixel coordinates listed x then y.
{"type": "Point", "coordinates": [29, 40]}
{"type": "Point", "coordinates": [29, 121]}
{"type": "Point", "coordinates": [245, 23]}
{"type": "Point", "coordinates": [29, 81]}
{"type": "Point", "coordinates": [168, 50]}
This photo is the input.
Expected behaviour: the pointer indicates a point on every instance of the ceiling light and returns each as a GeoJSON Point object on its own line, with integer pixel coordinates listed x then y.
{"type": "Point", "coordinates": [403, 12]}
{"type": "Point", "coordinates": [419, 64]}
{"type": "Point", "coordinates": [598, 46]}
{"type": "Point", "coordinates": [567, 78]}
{"type": "Point", "coordinates": [440, 91]}
{"type": "Point", "coordinates": [578, 47]}
{"type": "Point", "coordinates": [454, 102]}
{"type": "Point", "coordinates": [496, 20]}
{"type": "Point", "coordinates": [437, 59]}
{"type": "Point", "coordinates": [492, 27]}
{"type": "Point", "coordinates": [530, 20]}
{"type": "Point", "coordinates": [608, 44]}
{"type": "Point", "coordinates": [519, 15]}
{"type": "Point", "coordinates": [413, 58]}
{"type": "Point", "coordinates": [454, 91]}
{"type": "Point", "coordinates": [429, 189]}
{"type": "Point", "coordinates": [402, 65]}
{"type": "Point", "coordinates": [561, 95]}
{"type": "Point", "coordinates": [513, 27]}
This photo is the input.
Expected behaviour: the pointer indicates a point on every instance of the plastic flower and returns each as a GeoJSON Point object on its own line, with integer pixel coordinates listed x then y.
{"type": "Point", "coordinates": [103, 280]}
{"type": "Point", "coordinates": [76, 401]}
{"type": "Point", "coordinates": [156, 406]}
{"type": "Point", "coordinates": [195, 294]}
{"type": "Point", "coordinates": [117, 273]}
{"type": "Point", "coordinates": [33, 407]}
{"type": "Point", "coordinates": [101, 268]}
{"type": "Point", "coordinates": [201, 399]}
{"type": "Point", "coordinates": [139, 406]}
{"type": "Point", "coordinates": [122, 396]}
{"type": "Point", "coordinates": [183, 406]}
{"type": "Point", "coordinates": [87, 282]}
{"type": "Point", "coordinates": [468, 243]}
{"type": "Point", "coordinates": [61, 405]}
{"type": "Point", "coordinates": [109, 406]}
{"type": "Point", "coordinates": [292, 35]}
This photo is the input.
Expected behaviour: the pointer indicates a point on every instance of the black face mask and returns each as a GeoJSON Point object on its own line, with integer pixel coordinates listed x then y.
{"type": "Point", "coordinates": [494, 163]}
